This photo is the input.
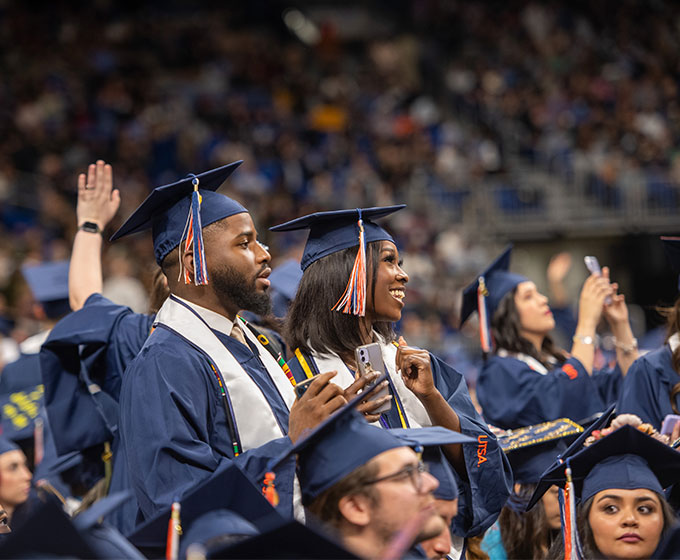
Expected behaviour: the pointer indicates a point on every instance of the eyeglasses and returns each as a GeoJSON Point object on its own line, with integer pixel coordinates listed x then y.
{"type": "Point", "coordinates": [413, 472]}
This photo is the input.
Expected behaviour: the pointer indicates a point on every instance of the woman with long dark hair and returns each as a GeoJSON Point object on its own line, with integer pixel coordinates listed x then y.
{"type": "Point", "coordinates": [330, 317]}
{"type": "Point", "coordinates": [527, 379]}
{"type": "Point", "coordinates": [620, 481]}
{"type": "Point", "coordinates": [652, 385]}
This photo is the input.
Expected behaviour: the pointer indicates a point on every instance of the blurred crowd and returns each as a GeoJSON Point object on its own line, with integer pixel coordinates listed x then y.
{"type": "Point", "coordinates": [446, 96]}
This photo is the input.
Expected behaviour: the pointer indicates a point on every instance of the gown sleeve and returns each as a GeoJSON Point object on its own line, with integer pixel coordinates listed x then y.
{"type": "Point", "coordinates": [82, 364]}
{"type": "Point", "coordinates": [489, 477]}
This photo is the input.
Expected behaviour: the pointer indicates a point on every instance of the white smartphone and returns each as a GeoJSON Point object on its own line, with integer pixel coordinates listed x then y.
{"type": "Point", "coordinates": [593, 266]}
{"type": "Point", "coordinates": [369, 358]}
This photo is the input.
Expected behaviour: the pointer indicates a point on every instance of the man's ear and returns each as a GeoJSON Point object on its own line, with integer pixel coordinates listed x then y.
{"type": "Point", "coordinates": [356, 509]}
{"type": "Point", "coordinates": [187, 263]}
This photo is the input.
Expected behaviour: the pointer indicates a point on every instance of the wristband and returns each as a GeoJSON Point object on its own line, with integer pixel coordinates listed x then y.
{"type": "Point", "coordinates": [587, 339]}
{"type": "Point", "coordinates": [90, 227]}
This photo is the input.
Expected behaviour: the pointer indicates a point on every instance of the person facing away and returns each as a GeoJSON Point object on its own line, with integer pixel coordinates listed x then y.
{"type": "Point", "coordinates": [204, 391]}
{"type": "Point", "coordinates": [323, 333]}
{"type": "Point", "coordinates": [525, 378]}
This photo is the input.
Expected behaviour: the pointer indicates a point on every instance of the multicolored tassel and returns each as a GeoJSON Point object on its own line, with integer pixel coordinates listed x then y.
{"type": "Point", "coordinates": [572, 545]}
{"type": "Point", "coordinates": [269, 490]}
{"type": "Point", "coordinates": [484, 332]}
{"type": "Point", "coordinates": [174, 531]}
{"type": "Point", "coordinates": [353, 300]}
{"type": "Point", "coordinates": [194, 236]}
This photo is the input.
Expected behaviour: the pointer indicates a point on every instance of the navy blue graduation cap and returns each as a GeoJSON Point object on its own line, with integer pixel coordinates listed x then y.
{"type": "Point", "coordinates": [290, 541]}
{"type": "Point", "coordinates": [49, 284]}
{"type": "Point", "coordinates": [333, 231]}
{"type": "Point", "coordinates": [7, 445]}
{"type": "Point", "coordinates": [228, 488]}
{"type": "Point", "coordinates": [440, 468]}
{"type": "Point", "coordinates": [177, 213]}
{"type": "Point", "coordinates": [214, 529]}
{"type": "Point", "coordinates": [627, 459]}
{"type": "Point", "coordinates": [284, 281]}
{"type": "Point", "coordinates": [106, 541]}
{"type": "Point", "coordinates": [533, 449]}
{"type": "Point", "coordinates": [487, 291]}
{"type": "Point", "coordinates": [345, 441]}
{"type": "Point", "coordinates": [672, 247]}
{"type": "Point", "coordinates": [48, 532]}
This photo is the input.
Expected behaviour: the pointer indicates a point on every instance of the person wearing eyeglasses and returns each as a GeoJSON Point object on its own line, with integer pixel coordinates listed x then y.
{"type": "Point", "coordinates": [368, 486]}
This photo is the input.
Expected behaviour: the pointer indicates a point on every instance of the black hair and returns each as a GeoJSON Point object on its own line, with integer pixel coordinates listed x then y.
{"type": "Point", "coordinates": [505, 329]}
{"type": "Point", "coordinates": [312, 324]}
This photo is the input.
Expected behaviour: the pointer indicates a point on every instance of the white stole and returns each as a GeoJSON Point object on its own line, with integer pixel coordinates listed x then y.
{"type": "Point", "coordinates": [255, 421]}
{"type": "Point", "coordinates": [415, 411]}
{"type": "Point", "coordinates": [533, 363]}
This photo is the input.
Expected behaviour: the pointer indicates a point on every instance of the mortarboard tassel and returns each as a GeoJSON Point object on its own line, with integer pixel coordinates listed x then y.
{"type": "Point", "coordinates": [194, 236]}
{"type": "Point", "coordinates": [269, 490]}
{"type": "Point", "coordinates": [572, 545]}
{"type": "Point", "coordinates": [484, 332]}
{"type": "Point", "coordinates": [174, 531]}
{"type": "Point", "coordinates": [38, 442]}
{"type": "Point", "coordinates": [353, 300]}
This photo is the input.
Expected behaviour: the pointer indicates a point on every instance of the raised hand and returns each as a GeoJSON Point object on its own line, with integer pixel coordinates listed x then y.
{"type": "Point", "coordinates": [98, 201]}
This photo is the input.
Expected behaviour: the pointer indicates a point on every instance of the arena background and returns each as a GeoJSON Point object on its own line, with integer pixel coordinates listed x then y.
{"type": "Point", "coordinates": [553, 125]}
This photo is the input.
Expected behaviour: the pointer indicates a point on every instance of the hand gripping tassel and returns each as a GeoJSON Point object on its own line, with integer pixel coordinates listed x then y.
{"type": "Point", "coordinates": [194, 236]}
{"type": "Point", "coordinates": [353, 300]}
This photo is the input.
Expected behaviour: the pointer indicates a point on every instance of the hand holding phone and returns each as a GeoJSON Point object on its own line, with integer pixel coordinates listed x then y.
{"type": "Point", "coordinates": [669, 423]}
{"type": "Point", "coordinates": [369, 359]}
{"type": "Point", "coordinates": [593, 266]}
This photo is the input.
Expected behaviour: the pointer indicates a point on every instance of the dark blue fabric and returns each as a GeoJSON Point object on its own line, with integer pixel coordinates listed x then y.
{"type": "Point", "coordinates": [22, 374]}
{"type": "Point", "coordinates": [174, 426]}
{"type": "Point", "coordinates": [92, 345]}
{"type": "Point", "coordinates": [565, 320]}
{"type": "Point", "coordinates": [647, 387]}
{"type": "Point", "coordinates": [513, 395]}
{"type": "Point", "coordinates": [489, 478]}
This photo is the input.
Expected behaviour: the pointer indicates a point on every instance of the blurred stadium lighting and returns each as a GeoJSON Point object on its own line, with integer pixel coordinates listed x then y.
{"type": "Point", "coordinates": [301, 26]}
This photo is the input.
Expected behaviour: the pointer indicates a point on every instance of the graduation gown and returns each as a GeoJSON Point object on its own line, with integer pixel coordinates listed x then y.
{"type": "Point", "coordinates": [517, 390]}
{"type": "Point", "coordinates": [82, 364]}
{"type": "Point", "coordinates": [647, 386]}
{"type": "Point", "coordinates": [178, 425]}
{"type": "Point", "coordinates": [489, 478]}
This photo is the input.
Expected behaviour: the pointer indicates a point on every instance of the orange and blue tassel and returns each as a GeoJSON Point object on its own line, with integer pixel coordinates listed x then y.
{"type": "Point", "coordinates": [484, 331]}
{"type": "Point", "coordinates": [353, 300]}
{"type": "Point", "coordinates": [174, 532]}
{"type": "Point", "coordinates": [194, 233]}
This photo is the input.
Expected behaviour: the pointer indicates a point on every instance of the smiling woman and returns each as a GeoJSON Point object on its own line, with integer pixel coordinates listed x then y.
{"type": "Point", "coordinates": [352, 290]}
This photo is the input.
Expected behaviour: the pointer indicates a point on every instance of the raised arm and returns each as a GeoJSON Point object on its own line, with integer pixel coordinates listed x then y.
{"type": "Point", "coordinates": [98, 202]}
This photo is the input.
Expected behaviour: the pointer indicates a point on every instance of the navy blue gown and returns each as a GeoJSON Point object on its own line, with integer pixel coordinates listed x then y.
{"type": "Point", "coordinates": [512, 394]}
{"type": "Point", "coordinates": [175, 427]}
{"type": "Point", "coordinates": [647, 387]}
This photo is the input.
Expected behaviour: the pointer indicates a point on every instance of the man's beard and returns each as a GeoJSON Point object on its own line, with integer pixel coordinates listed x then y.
{"type": "Point", "coordinates": [235, 289]}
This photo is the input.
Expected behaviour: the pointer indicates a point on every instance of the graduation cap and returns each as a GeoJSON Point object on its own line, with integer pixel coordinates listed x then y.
{"type": "Point", "coordinates": [48, 532]}
{"type": "Point", "coordinates": [289, 541]}
{"type": "Point", "coordinates": [533, 449]}
{"type": "Point", "coordinates": [20, 411]}
{"type": "Point", "coordinates": [672, 247]}
{"type": "Point", "coordinates": [574, 447]}
{"type": "Point", "coordinates": [330, 232]}
{"type": "Point", "coordinates": [7, 445]}
{"type": "Point", "coordinates": [440, 468]}
{"type": "Point", "coordinates": [211, 530]}
{"type": "Point", "coordinates": [49, 284]}
{"type": "Point", "coordinates": [345, 441]}
{"type": "Point", "coordinates": [177, 212]}
{"type": "Point", "coordinates": [627, 459]}
{"type": "Point", "coordinates": [106, 541]}
{"type": "Point", "coordinates": [228, 488]}
{"type": "Point", "coordinates": [284, 281]}
{"type": "Point", "coordinates": [486, 292]}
